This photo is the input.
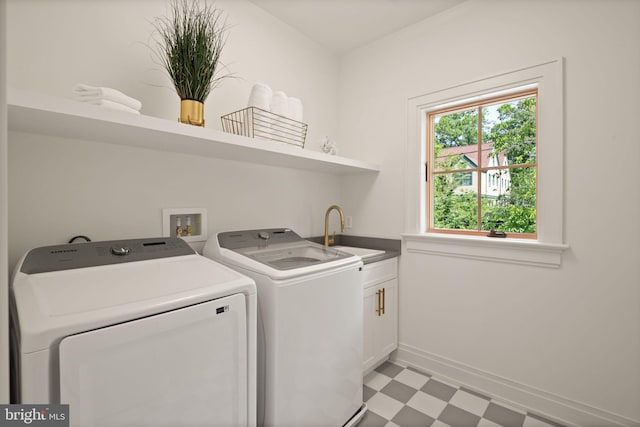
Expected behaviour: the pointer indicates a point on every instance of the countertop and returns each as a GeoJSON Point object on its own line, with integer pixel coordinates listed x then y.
{"type": "Point", "coordinates": [391, 247]}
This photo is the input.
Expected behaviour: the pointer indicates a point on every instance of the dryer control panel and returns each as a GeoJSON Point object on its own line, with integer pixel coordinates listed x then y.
{"type": "Point", "coordinates": [91, 254]}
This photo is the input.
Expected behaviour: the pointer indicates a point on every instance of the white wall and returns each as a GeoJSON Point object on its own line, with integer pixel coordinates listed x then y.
{"type": "Point", "coordinates": [570, 334]}
{"type": "Point", "coordinates": [60, 188]}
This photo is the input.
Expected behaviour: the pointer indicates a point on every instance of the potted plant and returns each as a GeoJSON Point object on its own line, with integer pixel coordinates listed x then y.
{"type": "Point", "coordinates": [190, 44]}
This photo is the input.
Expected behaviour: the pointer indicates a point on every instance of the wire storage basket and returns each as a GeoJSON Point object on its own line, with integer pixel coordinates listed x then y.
{"type": "Point", "coordinates": [255, 122]}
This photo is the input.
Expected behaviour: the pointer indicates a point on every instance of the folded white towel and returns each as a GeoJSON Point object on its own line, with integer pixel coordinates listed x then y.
{"type": "Point", "coordinates": [88, 93]}
{"type": "Point", "coordinates": [260, 96]}
{"type": "Point", "coordinates": [295, 109]}
{"type": "Point", "coordinates": [280, 104]}
{"type": "Point", "coordinates": [112, 105]}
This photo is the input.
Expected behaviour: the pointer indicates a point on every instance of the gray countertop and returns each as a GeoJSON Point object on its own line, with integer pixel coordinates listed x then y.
{"type": "Point", "coordinates": [391, 247]}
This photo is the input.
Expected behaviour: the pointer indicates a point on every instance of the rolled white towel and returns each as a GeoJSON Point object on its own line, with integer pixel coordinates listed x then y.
{"type": "Point", "coordinates": [280, 104]}
{"type": "Point", "coordinates": [295, 109]}
{"type": "Point", "coordinates": [260, 96]}
{"type": "Point", "coordinates": [86, 93]}
{"type": "Point", "coordinates": [113, 105]}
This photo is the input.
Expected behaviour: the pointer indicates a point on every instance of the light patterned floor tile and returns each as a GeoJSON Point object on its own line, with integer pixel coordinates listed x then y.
{"type": "Point", "coordinates": [412, 379]}
{"type": "Point", "coordinates": [376, 380]}
{"type": "Point", "coordinates": [428, 404]}
{"type": "Point", "coordinates": [469, 402]}
{"type": "Point", "coordinates": [384, 406]}
{"type": "Point", "coordinates": [487, 423]}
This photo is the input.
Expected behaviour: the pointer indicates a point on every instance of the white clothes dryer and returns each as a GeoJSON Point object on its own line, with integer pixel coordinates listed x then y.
{"type": "Point", "coordinates": [139, 332]}
{"type": "Point", "coordinates": [310, 326]}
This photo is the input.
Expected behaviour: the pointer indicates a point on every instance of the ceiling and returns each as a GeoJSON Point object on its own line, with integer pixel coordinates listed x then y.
{"type": "Point", "coordinates": [343, 25]}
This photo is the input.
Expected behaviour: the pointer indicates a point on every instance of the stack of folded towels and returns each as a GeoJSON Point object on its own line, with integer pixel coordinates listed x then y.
{"type": "Point", "coordinates": [277, 102]}
{"type": "Point", "coordinates": [106, 97]}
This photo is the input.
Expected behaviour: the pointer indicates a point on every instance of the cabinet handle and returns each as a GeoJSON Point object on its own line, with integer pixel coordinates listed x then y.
{"type": "Point", "coordinates": [381, 300]}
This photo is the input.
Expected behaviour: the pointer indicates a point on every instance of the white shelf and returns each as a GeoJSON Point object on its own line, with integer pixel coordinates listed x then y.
{"type": "Point", "coordinates": [67, 118]}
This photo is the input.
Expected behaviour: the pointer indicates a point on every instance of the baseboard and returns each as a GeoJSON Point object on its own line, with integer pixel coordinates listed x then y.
{"type": "Point", "coordinates": [518, 395]}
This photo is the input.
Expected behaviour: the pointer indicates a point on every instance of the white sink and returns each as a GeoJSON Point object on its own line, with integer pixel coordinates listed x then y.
{"type": "Point", "coordinates": [361, 252]}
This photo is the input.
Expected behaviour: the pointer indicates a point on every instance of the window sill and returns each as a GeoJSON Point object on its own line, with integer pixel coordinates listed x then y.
{"type": "Point", "coordinates": [513, 251]}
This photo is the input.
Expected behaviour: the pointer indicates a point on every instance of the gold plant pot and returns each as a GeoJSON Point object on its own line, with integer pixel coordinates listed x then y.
{"type": "Point", "coordinates": [192, 112]}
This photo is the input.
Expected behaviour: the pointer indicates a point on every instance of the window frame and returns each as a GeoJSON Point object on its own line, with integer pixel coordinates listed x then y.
{"type": "Point", "coordinates": [480, 168]}
{"type": "Point", "coordinates": [547, 249]}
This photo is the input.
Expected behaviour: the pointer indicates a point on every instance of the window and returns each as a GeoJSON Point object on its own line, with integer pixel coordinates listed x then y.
{"type": "Point", "coordinates": [495, 138]}
{"type": "Point", "coordinates": [544, 247]}
{"type": "Point", "coordinates": [463, 179]}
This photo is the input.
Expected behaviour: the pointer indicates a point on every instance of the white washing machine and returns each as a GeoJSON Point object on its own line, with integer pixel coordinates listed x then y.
{"type": "Point", "coordinates": [134, 333]}
{"type": "Point", "coordinates": [309, 327]}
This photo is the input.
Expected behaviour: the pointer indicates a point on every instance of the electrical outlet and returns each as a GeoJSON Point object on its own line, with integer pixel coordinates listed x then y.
{"type": "Point", "coordinates": [348, 221]}
{"type": "Point", "coordinates": [189, 224]}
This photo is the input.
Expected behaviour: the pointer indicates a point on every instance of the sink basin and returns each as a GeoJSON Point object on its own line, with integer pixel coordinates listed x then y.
{"type": "Point", "coordinates": [290, 256]}
{"type": "Point", "coordinates": [361, 252]}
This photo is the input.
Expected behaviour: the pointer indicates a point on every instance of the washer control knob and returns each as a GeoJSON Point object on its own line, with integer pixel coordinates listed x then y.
{"type": "Point", "coordinates": [120, 250]}
{"type": "Point", "coordinates": [263, 235]}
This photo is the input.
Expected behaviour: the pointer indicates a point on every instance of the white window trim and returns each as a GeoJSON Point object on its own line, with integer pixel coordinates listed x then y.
{"type": "Point", "coordinates": [547, 250]}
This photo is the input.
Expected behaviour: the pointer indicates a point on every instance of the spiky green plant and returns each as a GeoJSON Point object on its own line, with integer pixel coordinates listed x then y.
{"type": "Point", "coordinates": [189, 47]}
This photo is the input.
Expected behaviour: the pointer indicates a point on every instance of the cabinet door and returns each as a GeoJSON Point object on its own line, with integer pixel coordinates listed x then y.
{"type": "Point", "coordinates": [386, 325]}
{"type": "Point", "coordinates": [380, 336]}
{"type": "Point", "coordinates": [380, 312]}
{"type": "Point", "coordinates": [369, 352]}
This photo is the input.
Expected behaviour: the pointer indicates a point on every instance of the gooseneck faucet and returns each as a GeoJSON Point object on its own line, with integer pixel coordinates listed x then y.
{"type": "Point", "coordinates": [330, 240]}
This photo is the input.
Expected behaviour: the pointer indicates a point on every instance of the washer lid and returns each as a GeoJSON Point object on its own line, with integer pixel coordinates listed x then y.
{"type": "Point", "coordinates": [55, 304]}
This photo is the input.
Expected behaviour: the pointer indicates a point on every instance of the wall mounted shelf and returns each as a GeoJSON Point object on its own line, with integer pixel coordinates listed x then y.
{"type": "Point", "coordinates": [42, 114]}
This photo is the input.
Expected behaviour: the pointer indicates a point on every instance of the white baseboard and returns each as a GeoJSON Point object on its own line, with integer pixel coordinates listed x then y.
{"type": "Point", "coordinates": [518, 395]}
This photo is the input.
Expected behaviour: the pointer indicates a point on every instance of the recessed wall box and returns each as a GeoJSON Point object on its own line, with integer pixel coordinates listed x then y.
{"type": "Point", "coordinates": [189, 224]}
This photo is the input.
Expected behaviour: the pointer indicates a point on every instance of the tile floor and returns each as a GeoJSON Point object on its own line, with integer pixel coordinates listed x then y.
{"type": "Point", "coordinates": [405, 397]}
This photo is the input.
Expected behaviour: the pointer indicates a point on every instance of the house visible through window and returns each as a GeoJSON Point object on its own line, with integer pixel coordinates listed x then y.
{"type": "Point", "coordinates": [482, 166]}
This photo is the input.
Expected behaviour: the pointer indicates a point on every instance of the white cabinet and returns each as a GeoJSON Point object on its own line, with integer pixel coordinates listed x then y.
{"type": "Point", "coordinates": [380, 312]}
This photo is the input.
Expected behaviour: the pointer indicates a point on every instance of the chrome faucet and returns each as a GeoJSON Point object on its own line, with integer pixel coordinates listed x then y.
{"type": "Point", "coordinates": [330, 240]}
